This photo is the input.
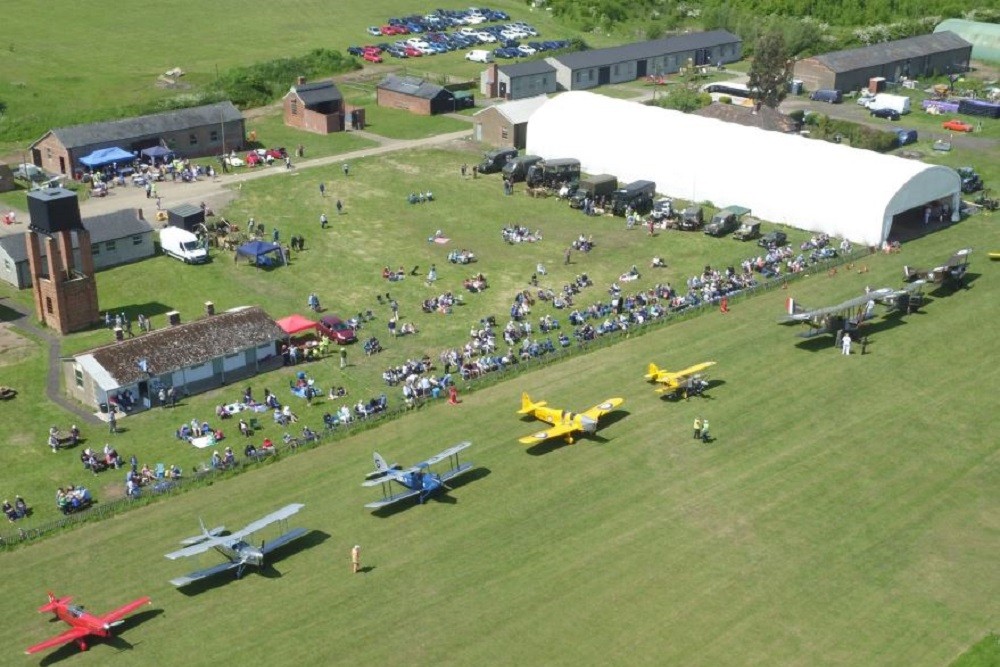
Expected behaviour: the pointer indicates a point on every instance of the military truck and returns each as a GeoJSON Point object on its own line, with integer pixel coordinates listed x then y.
{"type": "Point", "coordinates": [493, 161]}
{"type": "Point", "coordinates": [692, 218]}
{"type": "Point", "coordinates": [595, 187]}
{"type": "Point", "coordinates": [517, 169]}
{"type": "Point", "coordinates": [553, 173]}
{"type": "Point", "coordinates": [726, 221]}
{"type": "Point", "coordinates": [637, 195]}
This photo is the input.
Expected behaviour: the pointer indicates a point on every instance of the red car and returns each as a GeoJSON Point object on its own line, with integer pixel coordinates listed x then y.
{"type": "Point", "coordinates": [372, 56]}
{"type": "Point", "coordinates": [336, 329]}
{"type": "Point", "coordinates": [412, 52]}
{"type": "Point", "coordinates": [956, 125]}
{"type": "Point", "coordinates": [388, 30]}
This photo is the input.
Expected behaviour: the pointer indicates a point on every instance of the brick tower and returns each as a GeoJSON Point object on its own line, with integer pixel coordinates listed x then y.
{"type": "Point", "coordinates": [65, 294]}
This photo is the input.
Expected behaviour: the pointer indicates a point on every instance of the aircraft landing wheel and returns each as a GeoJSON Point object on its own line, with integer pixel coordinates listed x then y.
{"type": "Point", "coordinates": [569, 440]}
{"type": "Point", "coordinates": [82, 644]}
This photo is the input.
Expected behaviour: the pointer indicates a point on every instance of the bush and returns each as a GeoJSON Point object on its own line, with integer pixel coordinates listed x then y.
{"type": "Point", "coordinates": [260, 83]}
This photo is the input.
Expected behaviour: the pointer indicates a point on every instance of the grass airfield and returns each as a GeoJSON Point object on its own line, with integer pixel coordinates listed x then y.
{"type": "Point", "coordinates": [845, 513]}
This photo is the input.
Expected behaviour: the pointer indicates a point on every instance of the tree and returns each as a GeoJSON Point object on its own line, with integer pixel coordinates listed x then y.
{"type": "Point", "coordinates": [771, 69]}
{"type": "Point", "coordinates": [684, 97]}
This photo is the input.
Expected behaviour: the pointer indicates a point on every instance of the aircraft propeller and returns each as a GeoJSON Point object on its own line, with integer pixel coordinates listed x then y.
{"type": "Point", "coordinates": [113, 624]}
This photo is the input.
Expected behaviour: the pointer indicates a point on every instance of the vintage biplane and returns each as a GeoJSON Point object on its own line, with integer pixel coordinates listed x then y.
{"type": "Point", "coordinates": [418, 480]}
{"type": "Point", "coordinates": [564, 423]}
{"type": "Point", "coordinates": [238, 552]}
{"type": "Point", "coordinates": [951, 272]}
{"type": "Point", "coordinates": [851, 314]}
{"type": "Point", "coordinates": [682, 383]}
{"type": "Point", "coordinates": [82, 624]}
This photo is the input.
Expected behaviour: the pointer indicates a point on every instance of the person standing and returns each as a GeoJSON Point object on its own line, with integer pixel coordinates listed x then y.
{"type": "Point", "coordinates": [432, 275]}
{"type": "Point", "coordinates": [697, 428]}
{"type": "Point", "coordinates": [340, 207]}
{"type": "Point", "coordinates": [845, 344]}
{"type": "Point", "coordinates": [323, 221]}
{"type": "Point", "coordinates": [347, 169]}
{"type": "Point", "coordinates": [704, 431]}
{"type": "Point", "coordinates": [567, 255]}
{"type": "Point", "coordinates": [172, 396]}
{"type": "Point", "coordinates": [356, 559]}
{"type": "Point", "coordinates": [343, 357]}
{"type": "Point", "coordinates": [864, 345]}
{"type": "Point", "coordinates": [465, 169]}
{"type": "Point", "coordinates": [322, 189]}
{"type": "Point", "coordinates": [163, 397]}
{"type": "Point", "coordinates": [112, 421]}
{"type": "Point", "coordinates": [452, 395]}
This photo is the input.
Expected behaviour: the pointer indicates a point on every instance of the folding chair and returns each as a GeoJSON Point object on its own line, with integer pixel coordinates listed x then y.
{"type": "Point", "coordinates": [254, 424]}
{"type": "Point", "coordinates": [161, 471]}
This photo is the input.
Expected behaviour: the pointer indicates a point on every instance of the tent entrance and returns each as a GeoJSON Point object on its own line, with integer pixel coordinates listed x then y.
{"type": "Point", "coordinates": [920, 220]}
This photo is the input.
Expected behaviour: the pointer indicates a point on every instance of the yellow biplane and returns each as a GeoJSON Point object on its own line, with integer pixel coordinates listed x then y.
{"type": "Point", "coordinates": [679, 383]}
{"type": "Point", "coordinates": [564, 423]}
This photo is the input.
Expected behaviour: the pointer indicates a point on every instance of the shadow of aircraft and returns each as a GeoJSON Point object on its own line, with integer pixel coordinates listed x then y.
{"type": "Point", "coordinates": [445, 498]}
{"type": "Point", "coordinates": [115, 641]}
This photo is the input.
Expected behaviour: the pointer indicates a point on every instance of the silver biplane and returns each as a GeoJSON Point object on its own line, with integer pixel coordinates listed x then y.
{"type": "Point", "coordinates": [851, 314]}
{"type": "Point", "coordinates": [418, 480]}
{"type": "Point", "coordinates": [238, 551]}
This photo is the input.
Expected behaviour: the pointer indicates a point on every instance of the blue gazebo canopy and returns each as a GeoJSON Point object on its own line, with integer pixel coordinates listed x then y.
{"type": "Point", "coordinates": [104, 156]}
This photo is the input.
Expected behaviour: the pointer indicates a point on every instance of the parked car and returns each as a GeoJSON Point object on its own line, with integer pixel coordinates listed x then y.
{"type": "Point", "coordinates": [750, 229]}
{"type": "Point", "coordinates": [479, 56]}
{"type": "Point", "coordinates": [773, 239]}
{"type": "Point", "coordinates": [827, 95]}
{"type": "Point", "coordinates": [692, 218]}
{"type": "Point", "coordinates": [526, 50]}
{"type": "Point", "coordinates": [726, 221]}
{"type": "Point", "coordinates": [372, 57]}
{"type": "Point", "coordinates": [412, 52]}
{"type": "Point", "coordinates": [374, 31]}
{"type": "Point", "coordinates": [336, 329]}
{"type": "Point", "coordinates": [885, 112]}
{"type": "Point", "coordinates": [956, 125]}
{"type": "Point", "coordinates": [355, 51]}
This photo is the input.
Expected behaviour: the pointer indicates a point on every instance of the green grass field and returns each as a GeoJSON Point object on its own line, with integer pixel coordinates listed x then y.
{"type": "Point", "coordinates": [846, 512]}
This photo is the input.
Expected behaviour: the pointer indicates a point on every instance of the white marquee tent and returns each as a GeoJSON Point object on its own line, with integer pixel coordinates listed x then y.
{"type": "Point", "coordinates": [809, 184]}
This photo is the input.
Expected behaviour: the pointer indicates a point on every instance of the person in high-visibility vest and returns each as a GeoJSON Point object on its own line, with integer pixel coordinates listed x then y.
{"type": "Point", "coordinates": [704, 430]}
{"type": "Point", "coordinates": [356, 559]}
{"type": "Point", "coordinates": [697, 428]}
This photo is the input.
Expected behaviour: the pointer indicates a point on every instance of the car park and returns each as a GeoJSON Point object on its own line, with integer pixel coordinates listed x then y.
{"type": "Point", "coordinates": [885, 112]}
{"type": "Point", "coordinates": [336, 329]}
{"type": "Point", "coordinates": [956, 125]}
{"type": "Point", "coordinates": [773, 239]}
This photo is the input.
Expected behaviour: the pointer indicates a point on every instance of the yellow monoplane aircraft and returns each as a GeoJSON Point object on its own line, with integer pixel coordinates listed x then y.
{"type": "Point", "coordinates": [679, 383]}
{"type": "Point", "coordinates": [564, 422]}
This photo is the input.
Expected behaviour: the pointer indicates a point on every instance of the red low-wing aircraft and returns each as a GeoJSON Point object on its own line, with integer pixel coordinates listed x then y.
{"type": "Point", "coordinates": [83, 624]}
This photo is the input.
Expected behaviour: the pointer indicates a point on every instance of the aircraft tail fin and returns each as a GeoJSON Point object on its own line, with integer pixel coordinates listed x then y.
{"type": "Point", "coordinates": [54, 603]}
{"type": "Point", "coordinates": [528, 406]}
{"type": "Point", "coordinates": [652, 371]}
{"type": "Point", "coordinates": [381, 467]}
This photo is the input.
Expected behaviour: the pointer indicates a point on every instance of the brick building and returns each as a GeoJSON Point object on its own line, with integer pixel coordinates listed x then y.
{"type": "Point", "coordinates": [211, 129]}
{"type": "Point", "coordinates": [315, 107]}
{"type": "Point", "coordinates": [506, 125]}
{"type": "Point", "coordinates": [415, 95]}
{"type": "Point", "coordinates": [64, 290]}
{"type": "Point", "coordinates": [924, 55]}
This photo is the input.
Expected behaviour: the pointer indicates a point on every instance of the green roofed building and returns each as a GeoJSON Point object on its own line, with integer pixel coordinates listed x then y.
{"type": "Point", "coordinates": [984, 37]}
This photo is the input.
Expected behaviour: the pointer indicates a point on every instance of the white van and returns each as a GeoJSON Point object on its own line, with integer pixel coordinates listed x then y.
{"type": "Point", "coordinates": [479, 56]}
{"type": "Point", "coordinates": [183, 245]}
{"type": "Point", "coordinates": [898, 103]}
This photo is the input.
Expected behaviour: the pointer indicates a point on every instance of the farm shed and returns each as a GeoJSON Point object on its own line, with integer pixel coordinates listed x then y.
{"type": "Point", "coordinates": [116, 238]}
{"type": "Point", "coordinates": [784, 178]}
{"type": "Point", "coordinates": [914, 57]}
{"type": "Point", "coordinates": [315, 107]}
{"type": "Point", "coordinates": [211, 129]}
{"type": "Point", "coordinates": [414, 95]}
{"type": "Point", "coordinates": [506, 125]}
{"type": "Point", "coordinates": [193, 357]}
{"type": "Point", "coordinates": [597, 67]}
{"type": "Point", "coordinates": [984, 37]}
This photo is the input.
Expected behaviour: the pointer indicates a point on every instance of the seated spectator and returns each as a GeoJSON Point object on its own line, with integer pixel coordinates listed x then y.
{"type": "Point", "coordinates": [216, 462]}
{"type": "Point", "coordinates": [658, 263]}
{"type": "Point", "coordinates": [267, 446]}
{"type": "Point", "coordinates": [21, 508]}
{"type": "Point", "coordinates": [245, 429]}
{"type": "Point", "coordinates": [146, 474]}
{"type": "Point", "coordinates": [289, 416]}
{"type": "Point", "coordinates": [74, 435]}
{"type": "Point", "coordinates": [205, 428]}
{"type": "Point", "coordinates": [308, 435]}
{"type": "Point", "coordinates": [229, 459]}
{"type": "Point", "coordinates": [250, 451]}
{"type": "Point", "coordinates": [9, 511]}
{"type": "Point", "coordinates": [175, 472]}
{"type": "Point", "coordinates": [222, 413]}
{"type": "Point", "coordinates": [131, 489]}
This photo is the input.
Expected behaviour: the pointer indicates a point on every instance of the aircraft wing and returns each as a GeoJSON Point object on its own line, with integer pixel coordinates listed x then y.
{"type": "Point", "coordinates": [697, 368]}
{"type": "Point", "coordinates": [959, 258]}
{"type": "Point", "coordinates": [395, 498]}
{"type": "Point", "coordinates": [198, 575]}
{"type": "Point", "coordinates": [455, 472]}
{"type": "Point", "coordinates": [437, 458]}
{"type": "Point", "coordinates": [263, 522]}
{"type": "Point", "coordinates": [293, 534]}
{"type": "Point", "coordinates": [603, 408]}
{"type": "Point", "coordinates": [390, 475]}
{"type": "Point", "coordinates": [200, 547]}
{"type": "Point", "coordinates": [124, 610]}
{"type": "Point", "coordinates": [69, 636]}
{"type": "Point", "coordinates": [554, 432]}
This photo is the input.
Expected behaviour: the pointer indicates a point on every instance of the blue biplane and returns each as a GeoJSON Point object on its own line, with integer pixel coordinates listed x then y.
{"type": "Point", "coordinates": [418, 480]}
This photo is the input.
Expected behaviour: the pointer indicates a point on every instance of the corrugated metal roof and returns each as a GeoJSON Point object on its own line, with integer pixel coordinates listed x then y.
{"type": "Point", "coordinates": [140, 126]}
{"type": "Point", "coordinates": [106, 227]}
{"type": "Point", "coordinates": [644, 50]}
{"type": "Point", "coordinates": [519, 111]}
{"type": "Point", "coordinates": [186, 345]}
{"type": "Point", "coordinates": [527, 68]}
{"type": "Point", "coordinates": [100, 375]}
{"type": "Point", "coordinates": [319, 92]}
{"type": "Point", "coordinates": [890, 52]}
{"type": "Point", "coordinates": [411, 85]}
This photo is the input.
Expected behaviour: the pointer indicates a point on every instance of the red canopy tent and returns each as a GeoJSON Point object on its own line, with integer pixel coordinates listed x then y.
{"type": "Point", "coordinates": [294, 324]}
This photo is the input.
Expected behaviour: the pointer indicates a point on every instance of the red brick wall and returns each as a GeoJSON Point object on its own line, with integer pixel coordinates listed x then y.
{"type": "Point", "coordinates": [417, 105]}
{"type": "Point", "coordinates": [50, 150]}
